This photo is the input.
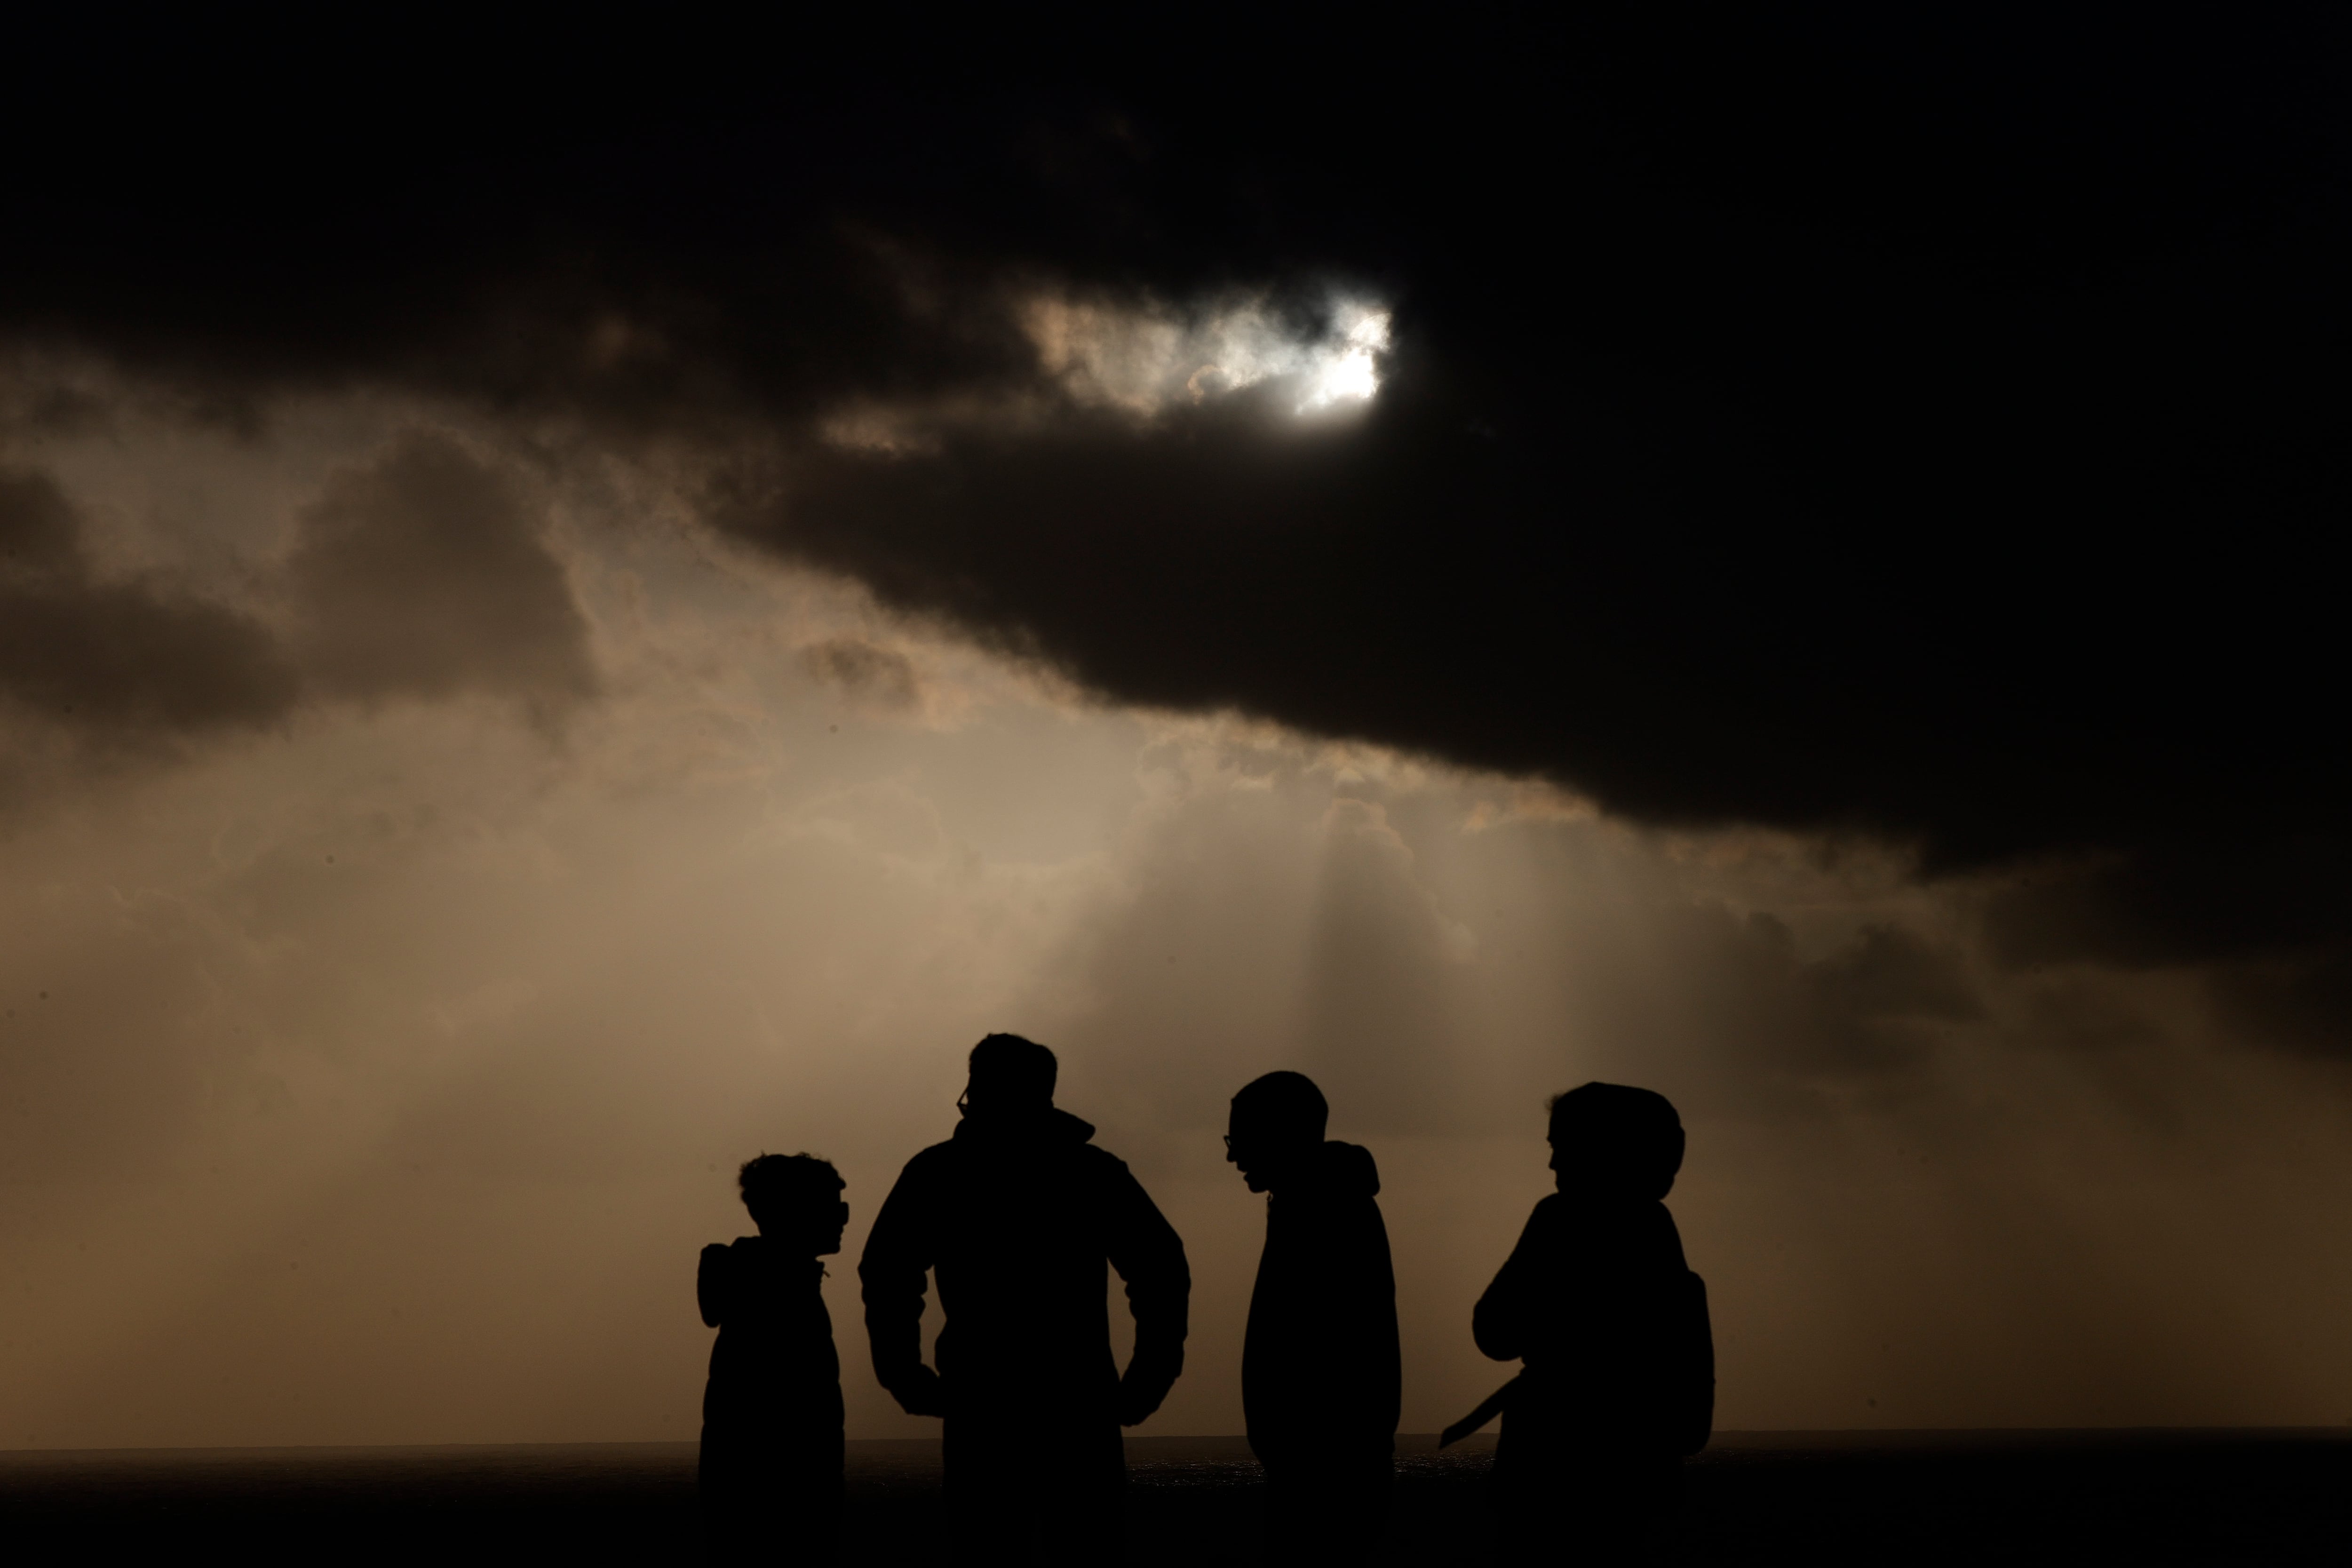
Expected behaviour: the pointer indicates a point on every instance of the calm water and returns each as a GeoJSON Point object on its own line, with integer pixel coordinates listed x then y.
{"type": "Point", "coordinates": [1818, 1497]}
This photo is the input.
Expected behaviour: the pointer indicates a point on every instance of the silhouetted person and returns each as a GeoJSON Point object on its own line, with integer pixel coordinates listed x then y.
{"type": "Point", "coordinates": [771, 1420]}
{"type": "Point", "coordinates": [1019, 1214]}
{"type": "Point", "coordinates": [1320, 1368]}
{"type": "Point", "coordinates": [1610, 1323]}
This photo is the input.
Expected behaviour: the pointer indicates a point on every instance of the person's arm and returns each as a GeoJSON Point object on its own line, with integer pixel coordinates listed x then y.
{"type": "Point", "coordinates": [898, 1254]}
{"type": "Point", "coordinates": [1150, 1256]}
{"type": "Point", "coordinates": [710, 1281]}
{"type": "Point", "coordinates": [1502, 1322]}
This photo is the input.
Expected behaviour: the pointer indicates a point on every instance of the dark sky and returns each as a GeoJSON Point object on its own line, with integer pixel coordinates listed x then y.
{"type": "Point", "coordinates": [1881, 460]}
{"type": "Point", "coordinates": [1928, 425]}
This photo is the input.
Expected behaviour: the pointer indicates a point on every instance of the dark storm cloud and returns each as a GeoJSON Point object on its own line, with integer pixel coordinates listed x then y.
{"type": "Point", "coordinates": [1874, 1003]}
{"type": "Point", "coordinates": [878, 675]}
{"type": "Point", "coordinates": [1752, 1020]}
{"type": "Point", "coordinates": [120, 662]}
{"type": "Point", "coordinates": [425, 574]}
{"type": "Point", "coordinates": [2264, 913]}
{"type": "Point", "coordinates": [39, 535]}
{"type": "Point", "coordinates": [1927, 425]}
{"type": "Point", "coordinates": [2301, 1003]}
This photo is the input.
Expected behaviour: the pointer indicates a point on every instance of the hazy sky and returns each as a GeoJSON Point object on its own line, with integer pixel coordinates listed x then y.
{"type": "Point", "coordinates": [375, 1073]}
{"type": "Point", "coordinates": [551, 646]}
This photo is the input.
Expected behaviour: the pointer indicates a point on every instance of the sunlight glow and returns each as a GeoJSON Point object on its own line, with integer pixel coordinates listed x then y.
{"type": "Point", "coordinates": [1146, 359]}
{"type": "Point", "coordinates": [1348, 369]}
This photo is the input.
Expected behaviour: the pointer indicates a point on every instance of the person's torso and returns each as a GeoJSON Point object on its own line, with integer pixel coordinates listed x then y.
{"type": "Point", "coordinates": [1613, 1351]}
{"type": "Point", "coordinates": [1022, 1237]}
{"type": "Point", "coordinates": [1319, 1357]}
{"type": "Point", "coordinates": [774, 1364]}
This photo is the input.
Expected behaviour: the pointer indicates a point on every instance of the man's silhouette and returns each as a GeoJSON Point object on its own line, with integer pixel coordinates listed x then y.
{"type": "Point", "coordinates": [771, 1465]}
{"type": "Point", "coordinates": [1610, 1323]}
{"type": "Point", "coordinates": [1319, 1366]}
{"type": "Point", "coordinates": [1019, 1213]}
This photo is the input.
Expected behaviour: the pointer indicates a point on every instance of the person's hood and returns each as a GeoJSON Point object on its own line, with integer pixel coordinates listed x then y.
{"type": "Point", "coordinates": [1051, 1125]}
{"type": "Point", "coordinates": [1345, 1170]}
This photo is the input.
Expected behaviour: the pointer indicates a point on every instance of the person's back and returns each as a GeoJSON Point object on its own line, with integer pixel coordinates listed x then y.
{"type": "Point", "coordinates": [770, 1466]}
{"type": "Point", "coordinates": [1597, 1303]}
{"type": "Point", "coordinates": [1019, 1214]}
{"type": "Point", "coordinates": [1320, 1375]}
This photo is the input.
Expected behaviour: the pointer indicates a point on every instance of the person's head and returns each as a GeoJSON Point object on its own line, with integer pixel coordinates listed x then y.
{"type": "Point", "coordinates": [1609, 1140]}
{"type": "Point", "coordinates": [1009, 1077]}
{"type": "Point", "coordinates": [795, 1199]}
{"type": "Point", "coordinates": [1276, 1124]}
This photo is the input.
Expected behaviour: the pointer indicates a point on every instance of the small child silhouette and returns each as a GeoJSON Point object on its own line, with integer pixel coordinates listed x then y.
{"type": "Point", "coordinates": [772, 1417]}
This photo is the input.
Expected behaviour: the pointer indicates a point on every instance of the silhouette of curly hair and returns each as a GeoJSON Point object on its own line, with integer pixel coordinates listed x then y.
{"type": "Point", "coordinates": [785, 1179]}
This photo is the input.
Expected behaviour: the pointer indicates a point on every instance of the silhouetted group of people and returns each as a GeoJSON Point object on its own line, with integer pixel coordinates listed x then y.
{"type": "Point", "coordinates": [1017, 1217]}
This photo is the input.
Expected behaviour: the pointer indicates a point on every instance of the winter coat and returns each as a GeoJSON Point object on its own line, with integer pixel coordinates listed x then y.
{"type": "Point", "coordinates": [1018, 1216]}
{"type": "Point", "coordinates": [1596, 1300]}
{"type": "Point", "coordinates": [1319, 1367]}
{"type": "Point", "coordinates": [775, 1382]}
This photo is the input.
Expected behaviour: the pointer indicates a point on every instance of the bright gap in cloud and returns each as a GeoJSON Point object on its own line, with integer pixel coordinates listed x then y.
{"type": "Point", "coordinates": [1348, 369]}
{"type": "Point", "coordinates": [1146, 359]}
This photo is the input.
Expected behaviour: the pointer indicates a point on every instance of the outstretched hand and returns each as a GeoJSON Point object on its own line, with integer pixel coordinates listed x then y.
{"type": "Point", "coordinates": [919, 1391]}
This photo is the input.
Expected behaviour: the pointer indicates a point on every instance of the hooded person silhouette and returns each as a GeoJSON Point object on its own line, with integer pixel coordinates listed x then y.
{"type": "Point", "coordinates": [1019, 1213]}
{"type": "Point", "coordinates": [1611, 1326]}
{"type": "Point", "coordinates": [770, 1470]}
{"type": "Point", "coordinates": [1320, 1373]}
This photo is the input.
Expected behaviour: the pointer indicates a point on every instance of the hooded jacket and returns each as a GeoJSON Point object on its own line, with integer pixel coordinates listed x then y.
{"type": "Point", "coordinates": [1319, 1367]}
{"type": "Point", "coordinates": [1019, 1214]}
{"type": "Point", "coordinates": [1598, 1302]}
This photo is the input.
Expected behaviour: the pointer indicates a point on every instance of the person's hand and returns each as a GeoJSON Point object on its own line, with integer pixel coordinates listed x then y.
{"type": "Point", "coordinates": [1149, 1376]}
{"type": "Point", "coordinates": [919, 1392]}
{"type": "Point", "coordinates": [1139, 1397]}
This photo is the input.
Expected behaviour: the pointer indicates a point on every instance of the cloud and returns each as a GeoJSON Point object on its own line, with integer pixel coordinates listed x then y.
{"type": "Point", "coordinates": [1276, 908]}
{"type": "Point", "coordinates": [120, 662]}
{"type": "Point", "coordinates": [441, 1014]}
{"type": "Point", "coordinates": [1941, 462]}
{"type": "Point", "coordinates": [2301, 1003]}
{"type": "Point", "coordinates": [2261, 921]}
{"type": "Point", "coordinates": [425, 574]}
{"type": "Point", "coordinates": [881, 676]}
{"type": "Point", "coordinates": [420, 572]}
{"type": "Point", "coordinates": [39, 533]}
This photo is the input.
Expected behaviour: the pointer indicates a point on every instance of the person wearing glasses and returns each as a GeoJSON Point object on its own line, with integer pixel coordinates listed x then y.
{"type": "Point", "coordinates": [1320, 1375]}
{"type": "Point", "coordinates": [1019, 1215]}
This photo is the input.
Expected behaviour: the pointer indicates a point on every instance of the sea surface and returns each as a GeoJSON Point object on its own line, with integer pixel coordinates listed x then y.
{"type": "Point", "coordinates": [1827, 1497]}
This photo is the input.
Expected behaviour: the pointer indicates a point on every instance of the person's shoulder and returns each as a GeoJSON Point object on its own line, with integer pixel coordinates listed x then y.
{"type": "Point", "coordinates": [1349, 1172]}
{"type": "Point", "coordinates": [1659, 1230]}
{"type": "Point", "coordinates": [937, 1157]}
{"type": "Point", "coordinates": [1098, 1161]}
{"type": "Point", "coordinates": [1552, 1224]}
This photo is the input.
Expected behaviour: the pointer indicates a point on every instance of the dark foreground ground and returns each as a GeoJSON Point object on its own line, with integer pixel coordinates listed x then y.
{"type": "Point", "coordinates": [1883, 1499]}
